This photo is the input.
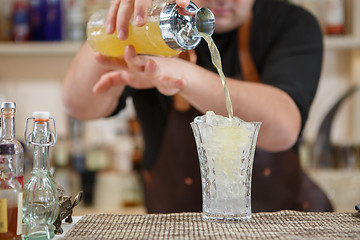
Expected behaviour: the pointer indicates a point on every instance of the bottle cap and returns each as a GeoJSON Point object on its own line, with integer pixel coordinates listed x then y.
{"type": "Point", "coordinates": [7, 149]}
{"type": "Point", "coordinates": [41, 115]}
{"type": "Point", "coordinates": [180, 26]}
{"type": "Point", "coordinates": [8, 105]}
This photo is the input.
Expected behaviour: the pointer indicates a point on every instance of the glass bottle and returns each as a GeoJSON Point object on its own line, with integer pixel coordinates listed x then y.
{"type": "Point", "coordinates": [168, 31]}
{"type": "Point", "coordinates": [8, 110]}
{"type": "Point", "coordinates": [10, 196]}
{"type": "Point", "coordinates": [41, 199]}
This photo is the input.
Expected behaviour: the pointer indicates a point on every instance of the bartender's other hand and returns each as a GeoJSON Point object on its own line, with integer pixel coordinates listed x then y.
{"type": "Point", "coordinates": [121, 12]}
{"type": "Point", "coordinates": [153, 71]}
{"type": "Point", "coordinates": [144, 72]}
{"type": "Point", "coordinates": [111, 62]}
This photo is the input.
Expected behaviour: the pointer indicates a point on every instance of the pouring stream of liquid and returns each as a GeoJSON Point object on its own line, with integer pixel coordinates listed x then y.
{"type": "Point", "coordinates": [216, 60]}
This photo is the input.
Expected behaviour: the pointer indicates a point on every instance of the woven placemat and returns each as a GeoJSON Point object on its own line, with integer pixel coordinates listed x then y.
{"type": "Point", "coordinates": [276, 225]}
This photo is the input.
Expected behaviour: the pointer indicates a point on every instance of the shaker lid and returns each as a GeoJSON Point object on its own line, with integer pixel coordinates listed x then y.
{"type": "Point", "coordinates": [8, 105]}
{"type": "Point", "coordinates": [179, 26]}
{"type": "Point", "coordinates": [7, 149]}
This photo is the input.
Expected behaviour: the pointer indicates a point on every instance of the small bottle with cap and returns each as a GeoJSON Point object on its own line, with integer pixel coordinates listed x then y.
{"type": "Point", "coordinates": [168, 31]}
{"type": "Point", "coordinates": [10, 195]}
{"type": "Point", "coordinates": [8, 110]}
{"type": "Point", "coordinates": [41, 199]}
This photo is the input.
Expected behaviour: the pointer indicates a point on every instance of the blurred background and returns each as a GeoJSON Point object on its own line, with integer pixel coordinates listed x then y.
{"type": "Point", "coordinates": [38, 39]}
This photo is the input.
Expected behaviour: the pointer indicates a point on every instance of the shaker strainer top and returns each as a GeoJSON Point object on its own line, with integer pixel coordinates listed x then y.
{"type": "Point", "coordinates": [180, 27]}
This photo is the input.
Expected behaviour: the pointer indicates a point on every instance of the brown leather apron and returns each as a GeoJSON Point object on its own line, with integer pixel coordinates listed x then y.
{"type": "Point", "coordinates": [174, 183]}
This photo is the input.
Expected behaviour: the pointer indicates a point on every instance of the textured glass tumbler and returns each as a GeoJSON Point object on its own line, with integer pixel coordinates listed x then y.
{"type": "Point", "coordinates": [226, 153]}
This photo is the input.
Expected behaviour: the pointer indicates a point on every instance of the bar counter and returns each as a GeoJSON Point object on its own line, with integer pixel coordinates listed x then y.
{"type": "Point", "coordinates": [271, 225]}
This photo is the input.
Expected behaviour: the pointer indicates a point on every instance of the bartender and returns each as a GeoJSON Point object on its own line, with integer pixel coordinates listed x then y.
{"type": "Point", "coordinates": [271, 55]}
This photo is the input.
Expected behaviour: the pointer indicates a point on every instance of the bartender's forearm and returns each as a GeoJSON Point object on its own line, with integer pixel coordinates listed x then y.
{"type": "Point", "coordinates": [78, 97]}
{"type": "Point", "coordinates": [280, 117]}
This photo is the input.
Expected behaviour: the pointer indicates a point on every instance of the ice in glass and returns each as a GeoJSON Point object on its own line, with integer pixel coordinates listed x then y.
{"type": "Point", "coordinates": [226, 148]}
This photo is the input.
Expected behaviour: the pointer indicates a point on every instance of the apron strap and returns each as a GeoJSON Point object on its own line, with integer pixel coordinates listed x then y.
{"type": "Point", "coordinates": [180, 103]}
{"type": "Point", "coordinates": [249, 71]}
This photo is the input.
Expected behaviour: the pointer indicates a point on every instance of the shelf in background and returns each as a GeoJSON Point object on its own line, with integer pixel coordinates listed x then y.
{"type": "Point", "coordinates": [70, 48]}
{"type": "Point", "coordinates": [39, 48]}
{"type": "Point", "coordinates": [342, 42]}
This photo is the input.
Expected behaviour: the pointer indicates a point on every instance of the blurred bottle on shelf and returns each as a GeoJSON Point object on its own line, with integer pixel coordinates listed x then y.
{"type": "Point", "coordinates": [132, 191]}
{"type": "Point", "coordinates": [20, 21]}
{"type": "Point", "coordinates": [335, 17]}
{"type": "Point", "coordinates": [78, 159]}
{"type": "Point", "coordinates": [75, 20]}
{"type": "Point", "coordinates": [37, 13]}
{"type": "Point", "coordinates": [53, 28]}
{"type": "Point", "coordinates": [138, 142]}
{"type": "Point", "coordinates": [62, 171]}
{"type": "Point", "coordinates": [123, 148]}
{"type": "Point", "coordinates": [5, 20]}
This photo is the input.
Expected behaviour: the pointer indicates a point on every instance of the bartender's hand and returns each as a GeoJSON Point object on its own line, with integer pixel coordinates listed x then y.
{"type": "Point", "coordinates": [141, 72]}
{"type": "Point", "coordinates": [121, 11]}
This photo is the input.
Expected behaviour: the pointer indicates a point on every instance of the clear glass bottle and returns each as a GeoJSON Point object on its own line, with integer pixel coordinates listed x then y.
{"type": "Point", "coordinates": [41, 199]}
{"type": "Point", "coordinates": [10, 196]}
{"type": "Point", "coordinates": [8, 110]}
{"type": "Point", "coordinates": [168, 31]}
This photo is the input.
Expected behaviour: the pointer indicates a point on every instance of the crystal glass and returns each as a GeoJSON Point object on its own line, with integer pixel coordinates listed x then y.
{"type": "Point", "coordinates": [226, 152]}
